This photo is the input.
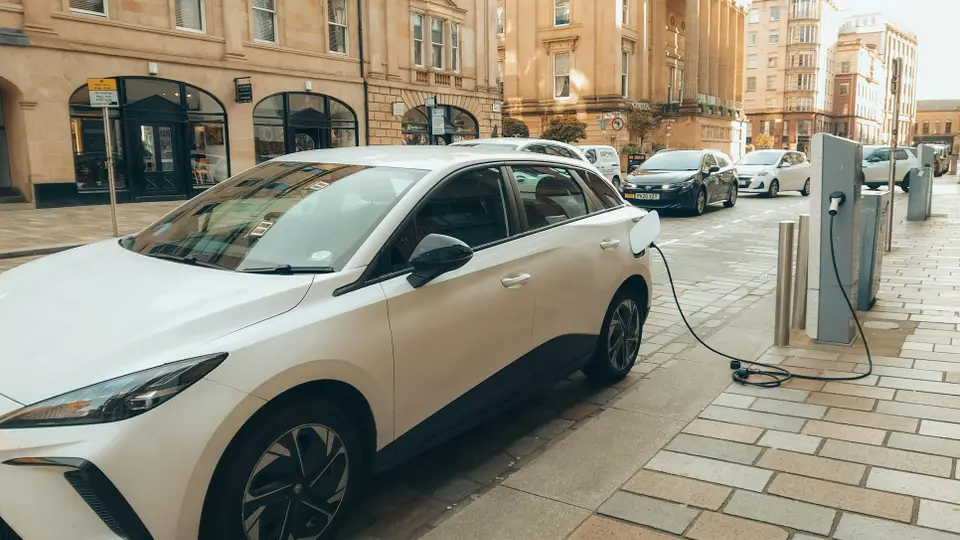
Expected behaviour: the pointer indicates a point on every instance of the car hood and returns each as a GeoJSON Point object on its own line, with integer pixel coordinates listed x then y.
{"type": "Point", "coordinates": [98, 312]}
{"type": "Point", "coordinates": [753, 170]}
{"type": "Point", "coordinates": [659, 177]}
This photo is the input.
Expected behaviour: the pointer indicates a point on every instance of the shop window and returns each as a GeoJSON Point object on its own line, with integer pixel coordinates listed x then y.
{"type": "Point", "coordinates": [93, 7]}
{"type": "Point", "coordinates": [459, 125]}
{"type": "Point", "coordinates": [206, 137]}
{"type": "Point", "coordinates": [300, 121]}
{"type": "Point", "coordinates": [90, 147]}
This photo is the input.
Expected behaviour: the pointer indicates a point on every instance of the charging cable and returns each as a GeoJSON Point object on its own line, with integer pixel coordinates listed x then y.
{"type": "Point", "coordinates": [772, 376]}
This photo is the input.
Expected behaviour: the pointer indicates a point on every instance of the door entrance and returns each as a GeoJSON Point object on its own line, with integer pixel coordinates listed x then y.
{"type": "Point", "coordinates": [158, 161]}
{"type": "Point", "coordinates": [309, 138]}
{"type": "Point", "coordinates": [4, 155]}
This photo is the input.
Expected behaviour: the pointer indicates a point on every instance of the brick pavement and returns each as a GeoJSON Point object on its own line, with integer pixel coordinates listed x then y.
{"type": "Point", "coordinates": [872, 459]}
{"type": "Point", "coordinates": [29, 228]}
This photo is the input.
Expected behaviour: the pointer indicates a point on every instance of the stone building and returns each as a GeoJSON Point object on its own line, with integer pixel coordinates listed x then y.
{"type": "Point", "coordinates": [208, 88]}
{"type": "Point", "coordinates": [598, 60]}
{"type": "Point", "coordinates": [859, 92]}
{"type": "Point", "coordinates": [938, 121]}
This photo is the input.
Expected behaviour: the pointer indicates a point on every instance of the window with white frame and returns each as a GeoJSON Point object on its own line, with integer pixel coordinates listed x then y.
{"type": "Point", "coordinates": [753, 16]}
{"type": "Point", "coordinates": [416, 20]}
{"type": "Point", "coordinates": [265, 21]}
{"type": "Point", "coordinates": [751, 61]}
{"type": "Point", "coordinates": [804, 127]}
{"type": "Point", "coordinates": [773, 61]}
{"type": "Point", "coordinates": [844, 89]}
{"type": "Point", "coordinates": [500, 75]}
{"type": "Point", "coordinates": [500, 19]}
{"type": "Point", "coordinates": [624, 73]}
{"type": "Point", "coordinates": [625, 8]}
{"type": "Point", "coordinates": [189, 14]}
{"type": "Point", "coordinates": [751, 84]}
{"type": "Point", "coordinates": [561, 75]}
{"type": "Point", "coordinates": [455, 47]}
{"type": "Point", "coordinates": [805, 34]}
{"type": "Point", "coordinates": [337, 25]}
{"type": "Point", "coordinates": [775, 13]}
{"type": "Point", "coordinates": [561, 12]}
{"type": "Point", "coordinates": [774, 38]}
{"type": "Point", "coordinates": [95, 7]}
{"type": "Point", "coordinates": [436, 42]}
{"type": "Point", "coordinates": [771, 82]}
{"type": "Point", "coordinates": [844, 67]}
{"type": "Point", "coordinates": [936, 127]}
{"type": "Point", "coordinates": [751, 39]}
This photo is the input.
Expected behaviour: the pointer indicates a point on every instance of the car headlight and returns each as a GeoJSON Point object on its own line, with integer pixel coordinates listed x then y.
{"type": "Point", "coordinates": [764, 173]}
{"type": "Point", "coordinates": [116, 399]}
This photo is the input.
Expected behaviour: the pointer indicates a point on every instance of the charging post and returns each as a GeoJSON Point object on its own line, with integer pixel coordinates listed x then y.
{"type": "Point", "coordinates": [836, 168]}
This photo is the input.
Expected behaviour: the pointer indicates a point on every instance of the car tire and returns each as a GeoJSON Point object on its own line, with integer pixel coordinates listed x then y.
{"type": "Point", "coordinates": [774, 189]}
{"type": "Point", "coordinates": [699, 203]}
{"type": "Point", "coordinates": [806, 188]}
{"type": "Point", "coordinates": [620, 337]}
{"type": "Point", "coordinates": [338, 470]}
{"type": "Point", "coordinates": [732, 198]}
{"type": "Point", "coordinates": [905, 184]}
{"type": "Point", "coordinates": [874, 186]}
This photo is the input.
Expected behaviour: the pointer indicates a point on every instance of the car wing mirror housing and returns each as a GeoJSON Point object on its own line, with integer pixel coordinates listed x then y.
{"type": "Point", "coordinates": [714, 169]}
{"type": "Point", "coordinates": [436, 255]}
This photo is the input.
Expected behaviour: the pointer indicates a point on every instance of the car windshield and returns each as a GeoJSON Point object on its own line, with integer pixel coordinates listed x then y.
{"type": "Point", "coordinates": [280, 214]}
{"type": "Point", "coordinates": [497, 145]}
{"type": "Point", "coordinates": [673, 161]}
{"type": "Point", "coordinates": [760, 158]}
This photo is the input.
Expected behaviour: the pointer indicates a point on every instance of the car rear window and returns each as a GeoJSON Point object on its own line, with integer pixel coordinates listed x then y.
{"type": "Point", "coordinates": [603, 190]}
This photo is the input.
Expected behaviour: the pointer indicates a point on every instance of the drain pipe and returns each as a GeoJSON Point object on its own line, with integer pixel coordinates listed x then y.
{"type": "Point", "coordinates": [363, 75]}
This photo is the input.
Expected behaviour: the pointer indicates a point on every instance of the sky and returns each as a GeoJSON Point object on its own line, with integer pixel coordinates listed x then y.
{"type": "Point", "coordinates": [934, 23]}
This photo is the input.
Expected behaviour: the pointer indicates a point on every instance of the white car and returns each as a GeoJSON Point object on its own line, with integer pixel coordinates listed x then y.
{"type": "Point", "coordinates": [769, 172]}
{"type": "Point", "coordinates": [237, 368]}
{"type": "Point", "coordinates": [537, 146]}
{"type": "Point", "coordinates": [876, 166]}
{"type": "Point", "coordinates": [606, 159]}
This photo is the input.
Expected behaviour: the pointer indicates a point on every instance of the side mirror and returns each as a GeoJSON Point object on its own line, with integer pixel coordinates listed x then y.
{"type": "Point", "coordinates": [714, 169]}
{"type": "Point", "coordinates": [436, 255]}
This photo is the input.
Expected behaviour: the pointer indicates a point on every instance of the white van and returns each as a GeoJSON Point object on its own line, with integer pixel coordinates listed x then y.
{"type": "Point", "coordinates": [606, 159]}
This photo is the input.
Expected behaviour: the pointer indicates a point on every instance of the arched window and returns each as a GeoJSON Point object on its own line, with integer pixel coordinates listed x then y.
{"type": "Point", "coordinates": [169, 139]}
{"type": "Point", "coordinates": [297, 121]}
{"type": "Point", "coordinates": [458, 125]}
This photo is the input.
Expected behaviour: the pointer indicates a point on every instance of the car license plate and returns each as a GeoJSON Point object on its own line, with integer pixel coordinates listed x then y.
{"type": "Point", "coordinates": [645, 196]}
{"type": "Point", "coordinates": [744, 183]}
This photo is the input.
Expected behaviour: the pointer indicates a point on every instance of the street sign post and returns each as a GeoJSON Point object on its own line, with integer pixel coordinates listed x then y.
{"type": "Point", "coordinates": [103, 94]}
{"type": "Point", "coordinates": [617, 123]}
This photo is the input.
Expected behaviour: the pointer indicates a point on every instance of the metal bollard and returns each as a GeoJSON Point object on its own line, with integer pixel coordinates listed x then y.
{"type": "Point", "coordinates": [781, 328]}
{"type": "Point", "coordinates": [800, 280]}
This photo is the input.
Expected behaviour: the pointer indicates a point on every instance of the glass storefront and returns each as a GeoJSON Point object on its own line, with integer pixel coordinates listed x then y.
{"type": "Point", "coordinates": [169, 138]}
{"type": "Point", "coordinates": [297, 121]}
{"type": "Point", "coordinates": [458, 125]}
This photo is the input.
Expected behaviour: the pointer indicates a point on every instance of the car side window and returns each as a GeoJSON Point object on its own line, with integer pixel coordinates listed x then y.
{"type": "Point", "coordinates": [536, 149]}
{"type": "Point", "coordinates": [723, 161]}
{"type": "Point", "coordinates": [602, 189]}
{"type": "Point", "coordinates": [591, 155]}
{"type": "Point", "coordinates": [882, 155]}
{"type": "Point", "coordinates": [550, 195]}
{"type": "Point", "coordinates": [709, 161]}
{"type": "Point", "coordinates": [902, 155]}
{"type": "Point", "coordinates": [470, 207]}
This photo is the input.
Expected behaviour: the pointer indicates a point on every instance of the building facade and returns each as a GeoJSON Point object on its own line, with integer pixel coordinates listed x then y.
{"type": "Point", "coordinates": [789, 75]}
{"type": "Point", "coordinates": [207, 88]}
{"type": "Point", "coordinates": [598, 60]}
{"type": "Point", "coordinates": [938, 121]}
{"type": "Point", "coordinates": [859, 94]}
{"type": "Point", "coordinates": [890, 42]}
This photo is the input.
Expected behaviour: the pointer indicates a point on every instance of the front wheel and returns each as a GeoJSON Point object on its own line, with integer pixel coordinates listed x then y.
{"type": "Point", "coordinates": [732, 198]}
{"type": "Point", "coordinates": [774, 189]}
{"type": "Point", "coordinates": [619, 340]}
{"type": "Point", "coordinates": [292, 474]}
{"type": "Point", "coordinates": [700, 203]}
{"type": "Point", "coordinates": [617, 184]}
{"type": "Point", "coordinates": [806, 188]}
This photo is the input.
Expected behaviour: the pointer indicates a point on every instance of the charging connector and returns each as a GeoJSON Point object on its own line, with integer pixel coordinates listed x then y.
{"type": "Point", "coordinates": [776, 375]}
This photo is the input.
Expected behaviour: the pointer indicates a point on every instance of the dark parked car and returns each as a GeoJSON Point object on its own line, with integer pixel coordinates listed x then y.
{"type": "Point", "coordinates": [683, 179]}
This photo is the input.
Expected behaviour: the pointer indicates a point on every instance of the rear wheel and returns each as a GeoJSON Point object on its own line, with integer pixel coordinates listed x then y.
{"type": "Point", "coordinates": [619, 340]}
{"type": "Point", "coordinates": [874, 186]}
{"type": "Point", "coordinates": [700, 203]}
{"type": "Point", "coordinates": [732, 198]}
{"type": "Point", "coordinates": [617, 184]}
{"type": "Point", "coordinates": [774, 189]}
{"type": "Point", "coordinates": [292, 474]}
{"type": "Point", "coordinates": [905, 184]}
{"type": "Point", "coordinates": [806, 188]}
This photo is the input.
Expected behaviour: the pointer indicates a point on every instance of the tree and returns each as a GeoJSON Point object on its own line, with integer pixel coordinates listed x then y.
{"type": "Point", "coordinates": [642, 123]}
{"type": "Point", "coordinates": [763, 141]}
{"type": "Point", "coordinates": [514, 127]}
{"type": "Point", "coordinates": [565, 129]}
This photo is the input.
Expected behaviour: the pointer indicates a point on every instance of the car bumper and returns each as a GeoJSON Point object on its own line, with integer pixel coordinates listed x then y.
{"type": "Point", "coordinates": [753, 185]}
{"type": "Point", "coordinates": [140, 478]}
{"type": "Point", "coordinates": [667, 198]}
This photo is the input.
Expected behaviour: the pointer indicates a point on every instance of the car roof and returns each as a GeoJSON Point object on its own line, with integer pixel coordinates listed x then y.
{"type": "Point", "coordinates": [605, 146]}
{"type": "Point", "coordinates": [501, 140]}
{"type": "Point", "coordinates": [418, 157]}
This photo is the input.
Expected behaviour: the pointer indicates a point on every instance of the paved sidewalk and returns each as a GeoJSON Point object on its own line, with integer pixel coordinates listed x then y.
{"type": "Point", "coordinates": [685, 454]}
{"type": "Point", "coordinates": [38, 230]}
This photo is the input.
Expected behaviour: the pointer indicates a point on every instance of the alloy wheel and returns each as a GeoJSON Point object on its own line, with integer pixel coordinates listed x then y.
{"type": "Point", "coordinates": [297, 486]}
{"type": "Point", "coordinates": [734, 193]}
{"type": "Point", "coordinates": [806, 187]}
{"type": "Point", "coordinates": [623, 339]}
{"type": "Point", "coordinates": [774, 188]}
{"type": "Point", "coordinates": [701, 201]}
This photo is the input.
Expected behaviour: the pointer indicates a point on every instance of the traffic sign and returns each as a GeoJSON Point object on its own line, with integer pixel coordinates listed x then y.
{"type": "Point", "coordinates": [103, 92]}
{"type": "Point", "coordinates": [617, 123]}
{"type": "Point", "coordinates": [603, 122]}
{"type": "Point", "coordinates": [438, 127]}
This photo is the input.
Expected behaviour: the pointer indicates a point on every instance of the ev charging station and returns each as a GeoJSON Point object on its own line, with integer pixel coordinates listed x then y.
{"type": "Point", "coordinates": [835, 180]}
{"type": "Point", "coordinates": [919, 204]}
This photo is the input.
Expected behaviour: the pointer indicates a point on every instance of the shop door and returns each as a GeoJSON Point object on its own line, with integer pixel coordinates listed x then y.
{"type": "Point", "coordinates": [309, 138]}
{"type": "Point", "coordinates": [4, 155]}
{"type": "Point", "coordinates": [158, 166]}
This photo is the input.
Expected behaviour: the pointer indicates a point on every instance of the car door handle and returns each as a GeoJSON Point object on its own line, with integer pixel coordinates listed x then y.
{"type": "Point", "coordinates": [515, 280]}
{"type": "Point", "coordinates": [609, 243]}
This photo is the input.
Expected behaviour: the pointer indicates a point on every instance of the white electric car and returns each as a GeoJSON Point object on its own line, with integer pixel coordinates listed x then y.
{"type": "Point", "coordinates": [768, 172]}
{"type": "Point", "coordinates": [876, 166]}
{"type": "Point", "coordinates": [234, 370]}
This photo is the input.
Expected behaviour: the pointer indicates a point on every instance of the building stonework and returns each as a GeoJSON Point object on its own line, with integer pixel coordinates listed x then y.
{"type": "Point", "coordinates": [387, 128]}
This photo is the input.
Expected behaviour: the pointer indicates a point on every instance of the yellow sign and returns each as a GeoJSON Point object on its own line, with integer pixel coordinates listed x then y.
{"type": "Point", "coordinates": [102, 85]}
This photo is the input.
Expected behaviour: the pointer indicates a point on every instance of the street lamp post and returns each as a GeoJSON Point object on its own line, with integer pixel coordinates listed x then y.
{"type": "Point", "coordinates": [895, 131]}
